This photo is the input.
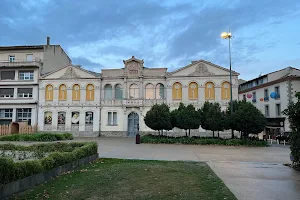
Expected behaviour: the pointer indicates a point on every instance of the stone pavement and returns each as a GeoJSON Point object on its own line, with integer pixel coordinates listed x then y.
{"type": "Point", "coordinates": [251, 173]}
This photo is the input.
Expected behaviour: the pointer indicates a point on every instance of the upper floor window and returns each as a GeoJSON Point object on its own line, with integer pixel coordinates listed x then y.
{"type": "Point", "coordinates": [107, 92]}
{"type": "Point", "coordinates": [7, 75]}
{"type": "Point", "coordinates": [29, 57]}
{"type": "Point", "coordinates": [134, 91]}
{"type": "Point", "coordinates": [278, 109]}
{"type": "Point", "coordinates": [62, 92]}
{"type": "Point", "coordinates": [193, 90]}
{"type": "Point", "coordinates": [225, 91]}
{"type": "Point", "coordinates": [11, 58]}
{"type": "Point", "coordinates": [149, 91]}
{"type": "Point", "coordinates": [90, 92]}
{"type": "Point", "coordinates": [266, 94]}
{"type": "Point", "coordinates": [26, 75]}
{"type": "Point", "coordinates": [267, 112]}
{"type": "Point", "coordinates": [76, 92]}
{"type": "Point", "coordinates": [253, 97]}
{"type": "Point", "coordinates": [277, 91]}
{"type": "Point", "coordinates": [210, 90]}
{"type": "Point", "coordinates": [24, 92]}
{"type": "Point", "coordinates": [49, 93]}
{"type": "Point", "coordinates": [118, 92]}
{"type": "Point", "coordinates": [177, 91]}
{"type": "Point", "coordinates": [160, 91]}
{"type": "Point", "coordinates": [6, 92]}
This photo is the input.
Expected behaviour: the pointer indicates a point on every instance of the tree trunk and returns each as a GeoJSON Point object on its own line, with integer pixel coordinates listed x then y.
{"type": "Point", "coordinates": [241, 134]}
{"type": "Point", "coordinates": [189, 132]}
{"type": "Point", "coordinates": [218, 134]}
{"type": "Point", "coordinates": [213, 134]}
{"type": "Point", "coordinates": [232, 134]}
{"type": "Point", "coordinates": [186, 133]}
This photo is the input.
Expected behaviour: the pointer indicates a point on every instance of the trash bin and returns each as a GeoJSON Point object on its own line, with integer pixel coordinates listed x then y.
{"type": "Point", "coordinates": [138, 139]}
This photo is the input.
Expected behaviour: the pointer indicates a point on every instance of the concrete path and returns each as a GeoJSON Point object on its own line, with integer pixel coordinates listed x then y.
{"type": "Point", "coordinates": [249, 172]}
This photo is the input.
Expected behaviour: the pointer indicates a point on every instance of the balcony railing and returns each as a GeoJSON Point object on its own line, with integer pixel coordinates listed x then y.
{"type": "Point", "coordinates": [35, 62]}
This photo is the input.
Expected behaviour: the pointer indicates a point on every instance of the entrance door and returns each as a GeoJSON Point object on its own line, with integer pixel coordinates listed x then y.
{"type": "Point", "coordinates": [133, 121]}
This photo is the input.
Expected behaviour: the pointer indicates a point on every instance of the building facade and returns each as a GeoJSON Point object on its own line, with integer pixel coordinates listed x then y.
{"type": "Point", "coordinates": [122, 97]}
{"type": "Point", "coordinates": [20, 69]}
{"type": "Point", "coordinates": [271, 94]}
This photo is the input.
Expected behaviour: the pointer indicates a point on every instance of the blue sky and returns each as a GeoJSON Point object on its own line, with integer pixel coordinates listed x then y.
{"type": "Point", "coordinates": [165, 33]}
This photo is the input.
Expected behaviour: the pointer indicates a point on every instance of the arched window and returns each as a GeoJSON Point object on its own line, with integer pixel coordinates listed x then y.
{"type": "Point", "coordinates": [134, 91]}
{"type": "Point", "coordinates": [49, 93]}
{"type": "Point", "coordinates": [118, 92]}
{"type": "Point", "coordinates": [225, 92]}
{"type": "Point", "coordinates": [108, 92]}
{"type": "Point", "coordinates": [160, 91]}
{"type": "Point", "coordinates": [89, 92]}
{"type": "Point", "coordinates": [149, 91]}
{"type": "Point", "coordinates": [209, 91]}
{"type": "Point", "coordinates": [193, 90]}
{"type": "Point", "coordinates": [76, 92]}
{"type": "Point", "coordinates": [62, 92]}
{"type": "Point", "coordinates": [177, 91]}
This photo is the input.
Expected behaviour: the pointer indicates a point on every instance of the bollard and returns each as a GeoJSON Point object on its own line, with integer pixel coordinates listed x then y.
{"type": "Point", "coordinates": [138, 139]}
{"type": "Point", "coordinates": [271, 141]}
{"type": "Point", "coordinates": [277, 141]}
{"type": "Point", "coordinates": [283, 142]}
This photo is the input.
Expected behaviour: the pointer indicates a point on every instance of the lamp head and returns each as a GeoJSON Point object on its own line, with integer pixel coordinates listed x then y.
{"type": "Point", "coordinates": [226, 35]}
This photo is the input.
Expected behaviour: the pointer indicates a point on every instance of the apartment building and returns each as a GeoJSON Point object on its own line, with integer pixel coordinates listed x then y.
{"type": "Point", "coordinates": [271, 94]}
{"type": "Point", "coordinates": [20, 68]}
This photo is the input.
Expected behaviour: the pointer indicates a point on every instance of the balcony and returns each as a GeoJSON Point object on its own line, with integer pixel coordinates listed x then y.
{"type": "Point", "coordinates": [112, 102]}
{"type": "Point", "coordinates": [133, 102]}
{"type": "Point", "coordinates": [36, 62]}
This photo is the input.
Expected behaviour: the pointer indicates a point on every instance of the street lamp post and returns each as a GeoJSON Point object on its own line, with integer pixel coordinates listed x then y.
{"type": "Point", "coordinates": [227, 35]}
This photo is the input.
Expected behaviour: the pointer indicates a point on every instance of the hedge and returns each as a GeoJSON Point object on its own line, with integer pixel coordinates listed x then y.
{"type": "Point", "coordinates": [11, 171]}
{"type": "Point", "coordinates": [39, 137]}
{"type": "Point", "coordinates": [201, 141]}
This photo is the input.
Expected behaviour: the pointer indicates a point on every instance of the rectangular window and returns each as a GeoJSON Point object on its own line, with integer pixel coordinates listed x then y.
{"type": "Point", "coordinates": [26, 75]}
{"type": "Point", "coordinates": [266, 95]}
{"type": "Point", "coordinates": [6, 113]}
{"type": "Point", "coordinates": [11, 58]}
{"type": "Point", "coordinates": [89, 118]}
{"type": "Point", "coordinates": [6, 92]}
{"type": "Point", "coordinates": [112, 119]}
{"type": "Point", "coordinates": [278, 109]}
{"type": "Point", "coordinates": [277, 91]}
{"type": "Point", "coordinates": [8, 75]}
{"type": "Point", "coordinates": [267, 114]}
{"type": "Point", "coordinates": [23, 114]}
{"type": "Point", "coordinates": [254, 97]}
{"type": "Point", "coordinates": [29, 57]}
{"type": "Point", "coordinates": [24, 92]}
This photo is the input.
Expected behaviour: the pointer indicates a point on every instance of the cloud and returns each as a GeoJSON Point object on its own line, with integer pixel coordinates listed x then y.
{"type": "Point", "coordinates": [170, 33]}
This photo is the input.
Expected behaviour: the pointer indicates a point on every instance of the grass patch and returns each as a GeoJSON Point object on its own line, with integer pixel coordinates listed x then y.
{"type": "Point", "coordinates": [112, 179]}
{"type": "Point", "coordinates": [155, 139]}
{"type": "Point", "coordinates": [38, 137]}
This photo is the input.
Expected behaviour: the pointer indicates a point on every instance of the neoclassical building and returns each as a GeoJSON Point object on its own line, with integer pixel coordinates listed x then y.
{"type": "Point", "coordinates": [115, 102]}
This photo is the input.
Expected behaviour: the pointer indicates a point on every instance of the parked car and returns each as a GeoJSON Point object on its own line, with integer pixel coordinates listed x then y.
{"type": "Point", "coordinates": [283, 136]}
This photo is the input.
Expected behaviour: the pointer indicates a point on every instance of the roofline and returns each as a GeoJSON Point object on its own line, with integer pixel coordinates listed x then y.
{"type": "Point", "coordinates": [23, 47]}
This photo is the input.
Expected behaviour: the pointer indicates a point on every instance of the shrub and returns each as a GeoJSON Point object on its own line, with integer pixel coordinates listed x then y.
{"type": "Point", "coordinates": [60, 154]}
{"type": "Point", "coordinates": [38, 137]}
{"type": "Point", "coordinates": [201, 141]}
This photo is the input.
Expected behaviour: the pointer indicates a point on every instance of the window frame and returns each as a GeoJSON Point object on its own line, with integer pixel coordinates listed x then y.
{"type": "Point", "coordinates": [24, 95]}
{"type": "Point", "coordinates": [278, 112]}
{"type": "Point", "coordinates": [112, 118]}
{"type": "Point", "coordinates": [267, 108]}
{"type": "Point", "coordinates": [8, 95]}
{"type": "Point", "coordinates": [6, 111]}
{"type": "Point", "coordinates": [14, 75]}
{"type": "Point", "coordinates": [27, 75]}
{"type": "Point", "coordinates": [29, 113]}
{"type": "Point", "coordinates": [11, 58]}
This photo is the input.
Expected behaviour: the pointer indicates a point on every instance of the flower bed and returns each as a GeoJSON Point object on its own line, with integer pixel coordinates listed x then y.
{"type": "Point", "coordinates": [38, 137]}
{"type": "Point", "coordinates": [155, 139]}
{"type": "Point", "coordinates": [52, 155]}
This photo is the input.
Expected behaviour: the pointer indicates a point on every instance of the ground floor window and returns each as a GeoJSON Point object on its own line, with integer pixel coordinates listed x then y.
{"type": "Point", "coordinates": [23, 114]}
{"type": "Point", "coordinates": [6, 113]}
{"type": "Point", "coordinates": [112, 119]}
{"type": "Point", "coordinates": [48, 118]}
{"type": "Point", "coordinates": [89, 118]}
{"type": "Point", "coordinates": [61, 119]}
{"type": "Point", "coordinates": [75, 118]}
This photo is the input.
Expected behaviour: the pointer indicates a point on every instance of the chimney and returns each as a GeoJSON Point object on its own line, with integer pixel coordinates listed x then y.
{"type": "Point", "coordinates": [48, 40]}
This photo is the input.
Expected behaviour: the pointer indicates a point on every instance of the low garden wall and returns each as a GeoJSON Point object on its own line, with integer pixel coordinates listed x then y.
{"type": "Point", "coordinates": [22, 167]}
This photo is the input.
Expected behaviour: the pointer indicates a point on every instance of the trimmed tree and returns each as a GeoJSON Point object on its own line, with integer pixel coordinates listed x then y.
{"type": "Point", "coordinates": [187, 118]}
{"type": "Point", "coordinates": [158, 118]}
{"type": "Point", "coordinates": [293, 114]}
{"type": "Point", "coordinates": [247, 119]}
{"type": "Point", "coordinates": [212, 117]}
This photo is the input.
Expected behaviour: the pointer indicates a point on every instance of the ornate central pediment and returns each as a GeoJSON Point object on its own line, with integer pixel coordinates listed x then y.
{"type": "Point", "coordinates": [201, 70]}
{"type": "Point", "coordinates": [133, 66]}
{"type": "Point", "coordinates": [70, 73]}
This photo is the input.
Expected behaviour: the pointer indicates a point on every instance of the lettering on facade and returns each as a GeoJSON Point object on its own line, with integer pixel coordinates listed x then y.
{"type": "Point", "coordinates": [201, 70]}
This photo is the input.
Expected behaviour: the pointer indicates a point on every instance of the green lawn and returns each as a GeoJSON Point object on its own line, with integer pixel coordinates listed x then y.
{"type": "Point", "coordinates": [134, 179]}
